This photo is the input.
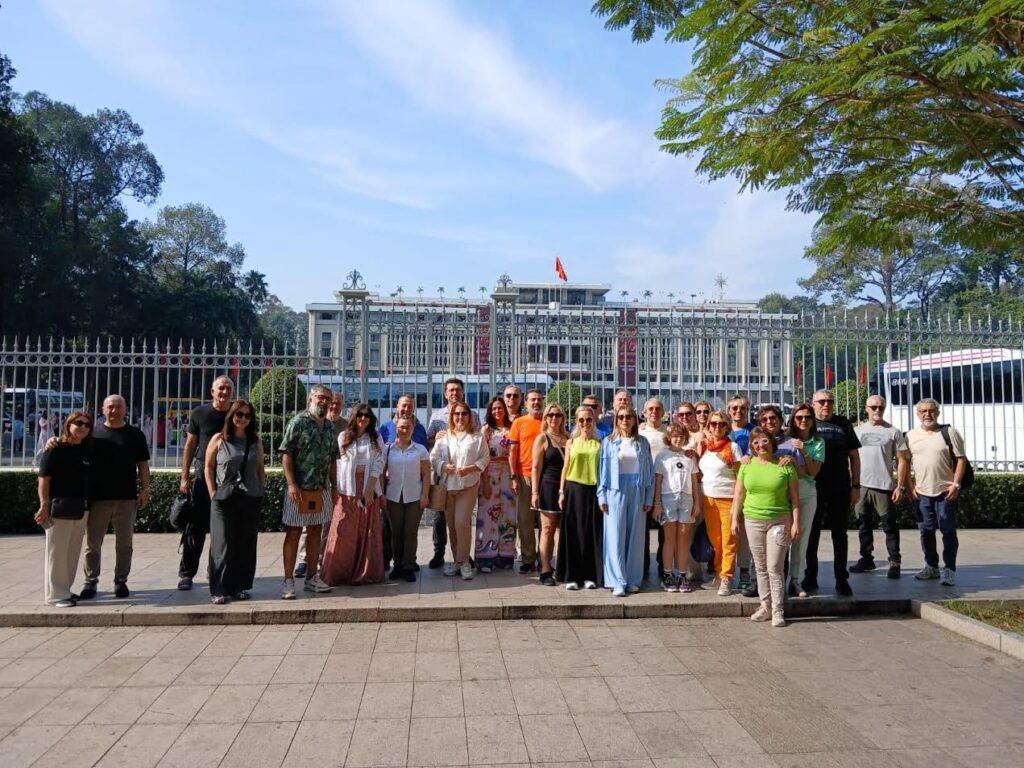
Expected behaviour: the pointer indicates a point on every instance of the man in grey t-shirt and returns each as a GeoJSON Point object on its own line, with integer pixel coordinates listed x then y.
{"type": "Point", "coordinates": [882, 444]}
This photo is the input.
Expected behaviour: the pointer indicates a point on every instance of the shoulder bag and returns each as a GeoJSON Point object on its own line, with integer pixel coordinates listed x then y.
{"type": "Point", "coordinates": [235, 486]}
{"type": "Point", "coordinates": [439, 485]}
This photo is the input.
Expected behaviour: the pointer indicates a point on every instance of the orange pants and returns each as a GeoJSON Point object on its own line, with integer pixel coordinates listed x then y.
{"type": "Point", "coordinates": [718, 519]}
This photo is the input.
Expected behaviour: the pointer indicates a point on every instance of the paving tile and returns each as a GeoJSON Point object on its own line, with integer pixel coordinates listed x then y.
{"type": "Point", "coordinates": [262, 744]}
{"type": "Point", "coordinates": [142, 745]}
{"type": "Point", "coordinates": [304, 668]}
{"type": "Point", "coordinates": [745, 761]}
{"type": "Point", "coordinates": [552, 738]}
{"type": "Point", "coordinates": [488, 697]}
{"type": "Point", "coordinates": [1009, 756]}
{"type": "Point", "coordinates": [639, 694]}
{"type": "Point", "coordinates": [124, 706]}
{"type": "Point", "coordinates": [609, 737]}
{"type": "Point", "coordinates": [482, 665]}
{"type": "Point", "coordinates": [177, 704]}
{"type": "Point", "coordinates": [439, 699]}
{"type": "Point", "coordinates": [434, 666]}
{"type": "Point", "coordinates": [159, 670]}
{"type": "Point", "coordinates": [772, 728]}
{"type": "Point", "coordinates": [22, 670]}
{"type": "Point", "coordinates": [190, 642]}
{"type": "Point", "coordinates": [536, 696]}
{"type": "Point", "coordinates": [392, 667]}
{"type": "Point", "coordinates": [720, 734]}
{"type": "Point", "coordinates": [616, 662]}
{"type": "Point", "coordinates": [437, 636]}
{"type": "Point", "coordinates": [382, 742]}
{"type": "Point", "coordinates": [346, 668]}
{"type": "Point", "coordinates": [112, 672]}
{"type": "Point", "coordinates": [386, 700]}
{"type": "Point", "coordinates": [82, 746]}
{"type": "Point", "coordinates": [754, 689]}
{"type": "Point", "coordinates": [571, 662]}
{"type": "Point", "coordinates": [665, 738]}
{"type": "Point", "coordinates": [526, 663]}
{"type": "Point", "coordinates": [25, 744]}
{"type": "Point", "coordinates": [437, 741]}
{"type": "Point", "coordinates": [685, 693]}
{"type": "Point", "coordinates": [229, 704]}
{"type": "Point", "coordinates": [355, 638]}
{"type": "Point", "coordinates": [22, 703]}
{"type": "Point", "coordinates": [477, 637]}
{"type": "Point", "coordinates": [323, 744]}
{"type": "Point", "coordinates": [252, 670]}
{"type": "Point", "coordinates": [334, 701]}
{"type": "Point", "coordinates": [72, 705]}
{"type": "Point", "coordinates": [283, 703]}
{"type": "Point", "coordinates": [273, 642]}
{"type": "Point", "coordinates": [206, 670]}
{"type": "Point", "coordinates": [201, 745]}
{"type": "Point", "coordinates": [65, 672]}
{"type": "Point", "coordinates": [233, 641]}
{"type": "Point", "coordinates": [147, 644]}
{"type": "Point", "coordinates": [588, 695]}
{"type": "Point", "coordinates": [495, 740]}
{"type": "Point", "coordinates": [396, 638]}
{"type": "Point", "coordinates": [314, 641]}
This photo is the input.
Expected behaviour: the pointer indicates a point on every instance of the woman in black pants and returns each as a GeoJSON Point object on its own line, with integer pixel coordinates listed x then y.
{"type": "Point", "coordinates": [236, 480]}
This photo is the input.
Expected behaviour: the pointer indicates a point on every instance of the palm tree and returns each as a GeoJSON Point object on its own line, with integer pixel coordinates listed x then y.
{"type": "Point", "coordinates": [440, 291]}
{"type": "Point", "coordinates": [462, 292]}
{"type": "Point", "coordinates": [419, 290]}
{"type": "Point", "coordinates": [624, 294]}
{"type": "Point", "coordinates": [671, 297]}
{"type": "Point", "coordinates": [647, 295]}
{"type": "Point", "coordinates": [399, 291]}
{"type": "Point", "coordinates": [720, 282]}
{"type": "Point", "coordinates": [483, 292]}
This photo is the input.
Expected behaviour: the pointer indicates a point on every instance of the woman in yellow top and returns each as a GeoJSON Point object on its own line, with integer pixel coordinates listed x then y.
{"type": "Point", "coordinates": [580, 551]}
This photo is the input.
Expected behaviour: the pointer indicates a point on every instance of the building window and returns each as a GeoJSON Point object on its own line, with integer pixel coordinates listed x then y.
{"type": "Point", "coordinates": [326, 315]}
{"type": "Point", "coordinates": [754, 355]}
{"type": "Point", "coordinates": [325, 344]}
{"type": "Point", "coordinates": [730, 356]}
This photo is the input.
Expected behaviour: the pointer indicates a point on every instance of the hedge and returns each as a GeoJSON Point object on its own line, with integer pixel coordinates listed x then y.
{"type": "Point", "coordinates": [993, 502]}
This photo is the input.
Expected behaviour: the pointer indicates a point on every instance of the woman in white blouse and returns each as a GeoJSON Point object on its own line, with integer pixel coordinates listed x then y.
{"type": "Point", "coordinates": [458, 458]}
{"type": "Point", "coordinates": [407, 488]}
{"type": "Point", "coordinates": [355, 550]}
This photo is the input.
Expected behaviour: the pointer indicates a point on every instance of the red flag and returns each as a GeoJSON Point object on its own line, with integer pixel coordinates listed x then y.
{"type": "Point", "coordinates": [829, 375]}
{"type": "Point", "coordinates": [560, 270]}
{"type": "Point", "coordinates": [799, 373]}
{"type": "Point", "coordinates": [864, 374]}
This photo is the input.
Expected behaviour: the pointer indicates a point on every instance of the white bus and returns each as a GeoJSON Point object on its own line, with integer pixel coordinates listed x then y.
{"type": "Point", "coordinates": [980, 392]}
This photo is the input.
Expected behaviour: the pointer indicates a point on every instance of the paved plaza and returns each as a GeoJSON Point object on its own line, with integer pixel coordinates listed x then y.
{"type": "Point", "coordinates": [672, 693]}
{"type": "Point", "coordinates": [991, 566]}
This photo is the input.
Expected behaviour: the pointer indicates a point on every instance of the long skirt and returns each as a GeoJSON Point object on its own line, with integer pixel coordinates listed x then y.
{"type": "Point", "coordinates": [355, 549]}
{"type": "Point", "coordinates": [580, 542]}
{"type": "Point", "coordinates": [496, 523]}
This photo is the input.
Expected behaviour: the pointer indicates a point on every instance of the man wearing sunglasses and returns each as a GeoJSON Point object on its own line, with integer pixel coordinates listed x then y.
{"type": "Point", "coordinates": [604, 422]}
{"type": "Point", "coordinates": [513, 397]}
{"type": "Point", "coordinates": [882, 446]}
{"type": "Point", "coordinates": [838, 485]}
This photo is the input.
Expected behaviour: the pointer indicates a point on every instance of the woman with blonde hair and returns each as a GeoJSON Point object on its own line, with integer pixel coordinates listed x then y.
{"type": "Point", "coordinates": [63, 488]}
{"type": "Point", "coordinates": [458, 458]}
{"type": "Point", "coordinates": [625, 493]}
{"type": "Point", "coordinates": [718, 463]}
{"type": "Point", "coordinates": [580, 543]}
{"type": "Point", "coordinates": [548, 460]}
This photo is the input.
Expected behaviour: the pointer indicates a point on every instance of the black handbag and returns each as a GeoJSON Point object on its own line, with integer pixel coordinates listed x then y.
{"type": "Point", "coordinates": [68, 509]}
{"type": "Point", "coordinates": [181, 512]}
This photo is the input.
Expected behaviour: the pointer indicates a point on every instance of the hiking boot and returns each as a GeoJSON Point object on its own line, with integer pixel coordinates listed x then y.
{"type": "Point", "coordinates": [948, 577]}
{"type": "Point", "coordinates": [927, 573]}
{"type": "Point", "coordinates": [863, 565]}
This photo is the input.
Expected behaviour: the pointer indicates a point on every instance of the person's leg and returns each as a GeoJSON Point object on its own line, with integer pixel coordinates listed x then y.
{"type": "Point", "coordinates": [396, 525]}
{"type": "Point", "coordinates": [757, 531]}
{"type": "Point", "coordinates": [246, 539]}
{"type": "Point", "coordinates": [526, 518]}
{"type": "Point", "coordinates": [946, 514]}
{"type": "Point", "coordinates": [839, 515]}
{"type": "Point", "coordinates": [301, 556]}
{"type": "Point", "coordinates": [865, 524]}
{"type": "Point", "coordinates": [684, 535]}
{"type": "Point", "coordinates": [289, 549]}
{"type": "Point", "coordinates": [890, 526]}
{"type": "Point", "coordinates": [668, 551]}
{"type": "Point", "coordinates": [926, 524]}
{"type": "Point", "coordinates": [744, 554]}
{"type": "Point", "coordinates": [465, 503]}
{"type": "Point", "coordinates": [96, 529]}
{"type": "Point", "coordinates": [439, 535]}
{"type": "Point", "coordinates": [387, 541]}
{"type": "Point", "coordinates": [636, 536]}
{"type": "Point", "coordinates": [55, 562]}
{"type": "Point", "coordinates": [123, 518]}
{"type": "Point", "coordinates": [777, 546]}
{"type": "Point", "coordinates": [810, 579]}
{"type": "Point", "coordinates": [661, 547]}
{"type": "Point", "coordinates": [313, 533]}
{"type": "Point", "coordinates": [798, 548]}
{"type": "Point", "coordinates": [409, 533]}
{"type": "Point", "coordinates": [453, 533]}
{"type": "Point", "coordinates": [548, 524]}
{"type": "Point", "coordinates": [713, 526]}
{"type": "Point", "coordinates": [615, 542]}
{"type": "Point", "coordinates": [220, 523]}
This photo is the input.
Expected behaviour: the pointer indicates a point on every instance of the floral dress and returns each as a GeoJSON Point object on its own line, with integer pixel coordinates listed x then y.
{"type": "Point", "coordinates": [496, 525]}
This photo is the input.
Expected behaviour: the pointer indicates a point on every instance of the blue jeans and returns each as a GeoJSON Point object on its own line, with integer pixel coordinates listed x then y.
{"type": "Point", "coordinates": [932, 511]}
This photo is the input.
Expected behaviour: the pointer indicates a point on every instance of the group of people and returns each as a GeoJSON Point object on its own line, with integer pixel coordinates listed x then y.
{"type": "Point", "coordinates": [579, 496]}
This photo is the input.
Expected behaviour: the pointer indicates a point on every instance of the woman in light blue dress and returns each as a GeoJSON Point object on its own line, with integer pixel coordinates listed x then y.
{"type": "Point", "coordinates": [625, 492]}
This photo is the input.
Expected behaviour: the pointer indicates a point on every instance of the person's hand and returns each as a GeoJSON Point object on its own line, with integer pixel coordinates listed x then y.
{"type": "Point", "coordinates": [913, 492]}
{"type": "Point", "coordinates": [451, 469]}
{"type": "Point", "coordinates": [424, 500]}
{"type": "Point", "coordinates": [52, 443]}
{"type": "Point", "coordinates": [735, 527]}
{"type": "Point", "coordinates": [42, 516]}
{"type": "Point", "coordinates": [368, 496]}
{"type": "Point", "coordinates": [797, 443]}
{"type": "Point", "coordinates": [648, 507]}
{"type": "Point", "coordinates": [561, 500]}
{"type": "Point", "coordinates": [143, 499]}
{"type": "Point", "coordinates": [953, 492]}
{"type": "Point", "coordinates": [294, 494]}
{"type": "Point", "coordinates": [515, 484]}
{"type": "Point", "coordinates": [211, 491]}
{"type": "Point", "coordinates": [535, 500]}
{"type": "Point", "coordinates": [785, 461]}
{"type": "Point", "coordinates": [691, 453]}
{"type": "Point", "coordinates": [854, 496]}
{"type": "Point", "coordinates": [745, 459]}
{"type": "Point", "coordinates": [897, 494]}
{"type": "Point", "coordinates": [794, 530]}
{"type": "Point", "coordinates": [185, 485]}
{"type": "Point", "coordinates": [655, 510]}
{"type": "Point", "coordinates": [604, 508]}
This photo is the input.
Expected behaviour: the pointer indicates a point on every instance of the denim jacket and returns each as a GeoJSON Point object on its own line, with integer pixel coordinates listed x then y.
{"type": "Point", "coordinates": [608, 473]}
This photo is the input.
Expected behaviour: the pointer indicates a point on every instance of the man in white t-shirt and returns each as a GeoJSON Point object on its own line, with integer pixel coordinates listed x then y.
{"type": "Point", "coordinates": [938, 472]}
{"type": "Point", "coordinates": [882, 446]}
{"type": "Point", "coordinates": [654, 413]}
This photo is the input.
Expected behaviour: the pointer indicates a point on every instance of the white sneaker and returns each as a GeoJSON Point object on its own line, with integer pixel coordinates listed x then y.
{"type": "Point", "coordinates": [589, 585]}
{"type": "Point", "coordinates": [618, 592]}
{"type": "Point", "coordinates": [485, 569]}
{"type": "Point", "coordinates": [761, 614]}
{"type": "Point", "coordinates": [927, 573]}
{"type": "Point", "coordinates": [467, 571]}
{"type": "Point", "coordinates": [778, 619]}
{"type": "Point", "coordinates": [451, 569]}
{"type": "Point", "coordinates": [572, 586]}
{"type": "Point", "coordinates": [288, 589]}
{"type": "Point", "coordinates": [316, 584]}
{"type": "Point", "coordinates": [948, 577]}
{"type": "Point", "coordinates": [724, 590]}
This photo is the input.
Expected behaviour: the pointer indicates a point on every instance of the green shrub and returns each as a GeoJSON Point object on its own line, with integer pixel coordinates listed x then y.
{"type": "Point", "coordinates": [278, 391]}
{"type": "Point", "coordinates": [567, 394]}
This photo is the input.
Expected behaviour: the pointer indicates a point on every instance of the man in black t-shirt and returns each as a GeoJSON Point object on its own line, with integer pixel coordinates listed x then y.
{"type": "Point", "coordinates": [120, 460]}
{"type": "Point", "coordinates": [838, 485]}
{"type": "Point", "coordinates": [203, 423]}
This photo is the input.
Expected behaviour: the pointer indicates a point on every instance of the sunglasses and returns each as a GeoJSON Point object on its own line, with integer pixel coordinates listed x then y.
{"type": "Point", "coordinates": [81, 423]}
{"type": "Point", "coordinates": [737, 407]}
{"type": "Point", "coordinates": [876, 407]}
{"type": "Point", "coordinates": [555, 416]}
{"type": "Point", "coordinates": [704, 411]}
{"type": "Point", "coordinates": [684, 414]}
{"type": "Point", "coordinates": [585, 421]}
{"type": "Point", "coordinates": [512, 395]}
{"type": "Point", "coordinates": [243, 414]}
{"type": "Point", "coordinates": [824, 402]}
{"type": "Point", "coordinates": [461, 415]}
{"type": "Point", "coordinates": [803, 417]}
{"type": "Point", "coordinates": [625, 417]}
{"type": "Point", "coordinates": [717, 424]}
{"type": "Point", "coordinates": [766, 419]}
{"type": "Point", "coordinates": [760, 443]}
{"type": "Point", "coordinates": [362, 415]}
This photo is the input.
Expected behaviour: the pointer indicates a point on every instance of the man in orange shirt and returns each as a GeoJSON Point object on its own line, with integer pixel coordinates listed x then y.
{"type": "Point", "coordinates": [524, 432]}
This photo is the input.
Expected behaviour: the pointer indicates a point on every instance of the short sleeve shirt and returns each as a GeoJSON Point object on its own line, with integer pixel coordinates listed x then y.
{"type": "Point", "coordinates": [524, 432]}
{"type": "Point", "coordinates": [67, 466]}
{"type": "Point", "coordinates": [878, 448]}
{"type": "Point", "coordinates": [766, 489]}
{"type": "Point", "coordinates": [116, 456]}
{"type": "Point", "coordinates": [930, 459]}
{"type": "Point", "coordinates": [839, 439]}
{"type": "Point", "coordinates": [204, 422]}
{"type": "Point", "coordinates": [312, 449]}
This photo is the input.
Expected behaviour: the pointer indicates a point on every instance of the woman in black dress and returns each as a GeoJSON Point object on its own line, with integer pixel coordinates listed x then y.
{"type": "Point", "coordinates": [548, 458]}
{"type": "Point", "coordinates": [580, 550]}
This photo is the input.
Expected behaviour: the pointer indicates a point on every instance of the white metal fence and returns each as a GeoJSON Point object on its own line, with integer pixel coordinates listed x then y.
{"type": "Point", "coordinates": [676, 353]}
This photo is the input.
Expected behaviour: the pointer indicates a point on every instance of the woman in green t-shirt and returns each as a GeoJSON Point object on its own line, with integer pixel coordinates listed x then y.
{"type": "Point", "coordinates": [768, 499]}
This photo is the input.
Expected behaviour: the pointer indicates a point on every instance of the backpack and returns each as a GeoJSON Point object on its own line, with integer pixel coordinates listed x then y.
{"type": "Point", "coordinates": [968, 479]}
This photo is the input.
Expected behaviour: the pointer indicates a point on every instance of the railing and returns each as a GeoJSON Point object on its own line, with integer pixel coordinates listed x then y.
{"type": "Point", "coordinates": [381, 350]}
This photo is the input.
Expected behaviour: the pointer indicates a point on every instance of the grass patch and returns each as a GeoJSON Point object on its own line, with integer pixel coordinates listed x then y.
{"type": "Point", "coordinates": [1006, 616]}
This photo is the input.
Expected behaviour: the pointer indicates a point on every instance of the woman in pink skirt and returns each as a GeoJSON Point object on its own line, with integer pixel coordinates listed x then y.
{"type": "Point", "coordinates": [355, 551]}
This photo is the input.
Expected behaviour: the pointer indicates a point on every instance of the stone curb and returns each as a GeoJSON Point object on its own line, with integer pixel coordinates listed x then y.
{"type": "Point", "coordinates": [290, 613]}
{"type": "Point", "coordinates": [1009, 643]}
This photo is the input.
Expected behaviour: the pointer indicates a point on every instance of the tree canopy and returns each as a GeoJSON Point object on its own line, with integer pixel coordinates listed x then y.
{"type": "Point", "coordinates": [875, 116]}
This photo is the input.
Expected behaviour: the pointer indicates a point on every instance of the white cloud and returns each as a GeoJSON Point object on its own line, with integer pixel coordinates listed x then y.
{"type": "Point", "coordinates": [477, 80]}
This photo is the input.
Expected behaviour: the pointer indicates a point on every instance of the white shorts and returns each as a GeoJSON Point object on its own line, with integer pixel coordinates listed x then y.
{"type": "Point", "coordinates": [676, 509]}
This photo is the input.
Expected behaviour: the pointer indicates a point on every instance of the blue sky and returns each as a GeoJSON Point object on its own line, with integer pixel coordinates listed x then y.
{"type": "Point", "coordinates": [423, 142]}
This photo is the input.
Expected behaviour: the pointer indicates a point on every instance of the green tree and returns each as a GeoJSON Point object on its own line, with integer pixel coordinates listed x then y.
{"type": "Point", "coordinates": [888, 111]}
{"type": "Point", "coordinates": [283, 326]}
{"type": "Point", "coordinates": [567, 394]}
{"type": "Point", "coordinates": [190, 242]}
{"type": "Point", "coordinates": [851, 399]}
{"type": "Point", "coordinates": [278, 391]}
{"type": "Point", "coordinates": [779, 302]}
